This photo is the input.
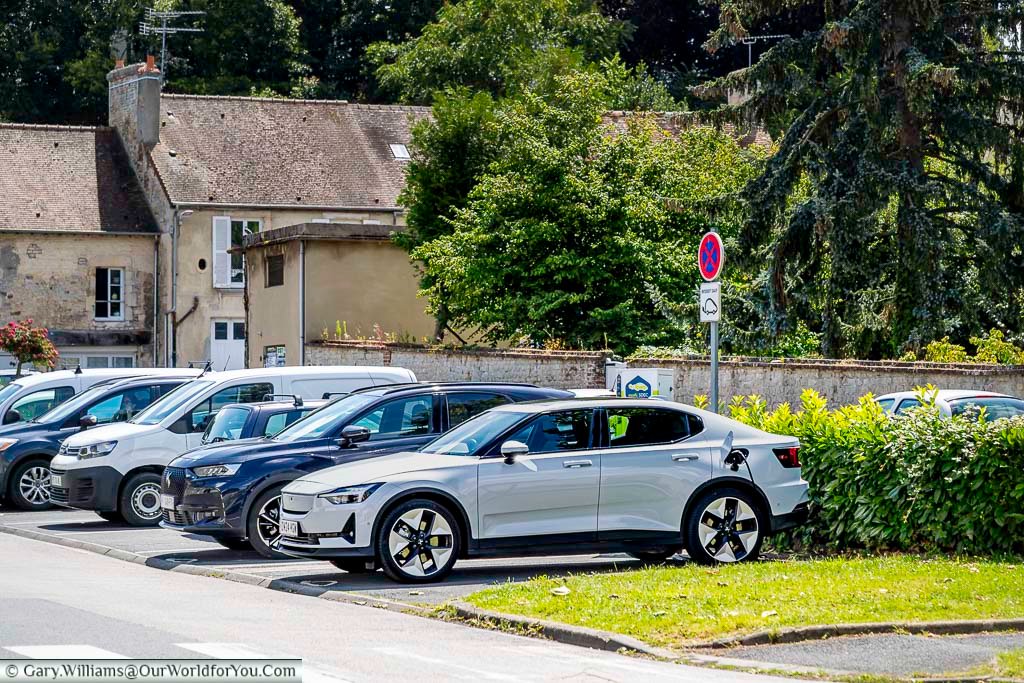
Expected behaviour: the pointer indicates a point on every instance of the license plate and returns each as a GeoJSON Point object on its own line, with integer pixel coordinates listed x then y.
{"type": "Point", "coordinates": [56, 480]}
{"type": "Point", "coordinates": [289, 528]}
{"type": "Point", "coordinates": [167, 502]}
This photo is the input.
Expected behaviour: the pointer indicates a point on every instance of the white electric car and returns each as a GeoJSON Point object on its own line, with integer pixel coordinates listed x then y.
{"type": "Point", "coordinates": [572, 476]}
{"type": "Point", "coordinates": [115, 469]}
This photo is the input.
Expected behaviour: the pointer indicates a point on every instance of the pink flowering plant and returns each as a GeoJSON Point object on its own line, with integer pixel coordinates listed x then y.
{"type": "Point", "coordinates": [28, 344]}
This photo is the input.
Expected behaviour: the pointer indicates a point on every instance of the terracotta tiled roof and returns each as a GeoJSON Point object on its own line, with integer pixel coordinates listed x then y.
{"type": "Point", "coordinates": [255, 151]}
{"type": "Point", "coordinates": [66, 178]}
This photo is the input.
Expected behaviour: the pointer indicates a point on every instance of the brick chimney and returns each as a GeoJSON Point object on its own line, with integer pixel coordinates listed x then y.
{"type": "Point", "coordinates": [133, 105]}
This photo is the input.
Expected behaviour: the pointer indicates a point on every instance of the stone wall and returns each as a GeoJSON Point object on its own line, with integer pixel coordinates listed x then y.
{"type": "Point", "coordinates": [841, 382]}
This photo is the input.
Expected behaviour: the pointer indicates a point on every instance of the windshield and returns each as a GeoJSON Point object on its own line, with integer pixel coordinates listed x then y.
{"type": "Point", "coordinates": [171, 402]}
{"type": "Point", "coordinates": [8, 391]}
{"type": "Point", "coordinates": [227, 426]}
{"type": "Point", "coordinates": [470, 437]}
{"type": "Point", "coordinates": [322, 422]}
{"type": "Point", "coordinates": [71, 406]}
{"type": "Point", "coordinates": [996, 407]}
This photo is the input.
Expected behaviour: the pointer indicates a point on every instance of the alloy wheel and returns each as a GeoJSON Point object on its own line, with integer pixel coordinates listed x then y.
{"type": "Point", "coordinates": [35, 485]}
{"type": "Point", "coordinates": [146, 501]}
{"type": "Point", "coordinates": [728, 529]}
{"type": "Point", "coordinates": [268, 522]}
{"type": "Point", "coordinates": [420, 542]}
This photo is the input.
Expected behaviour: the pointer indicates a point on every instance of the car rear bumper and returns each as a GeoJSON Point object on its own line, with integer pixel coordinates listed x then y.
{"type": "Point", "coordinates": [87, 488]}
{"type": "Point", "coordinates": [796, 518]}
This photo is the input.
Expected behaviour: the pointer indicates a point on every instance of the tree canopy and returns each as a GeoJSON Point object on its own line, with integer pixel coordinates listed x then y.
{"type": "Point", "coordinates": [892, 213]}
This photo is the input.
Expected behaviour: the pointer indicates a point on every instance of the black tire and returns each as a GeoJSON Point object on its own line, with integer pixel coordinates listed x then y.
{"type": "Point", "coordinates": [112, 517]}
{"type": "Point", "coordinates": [724, 525]}
{"type": "Point", "coordinates": [262, 524]}
{"type": "Point", "coordinates": [355, 565]}
{"type": "Point", "coordinates": [139, 502]}
{"type": "Point", "coordinates": [237, 544]}
{"type": "Point", "coordinates": [30, 486]}
{"type": "Point", "coordinates": [654, 556]}
{"type": "Point", "coordinates": [428, 565]}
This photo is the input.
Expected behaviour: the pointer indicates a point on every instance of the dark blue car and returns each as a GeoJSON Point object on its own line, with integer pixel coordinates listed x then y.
{"type": "Point", "coordinates": [26, 448]}
{"type": "Point", "coordinates": [232, 491]}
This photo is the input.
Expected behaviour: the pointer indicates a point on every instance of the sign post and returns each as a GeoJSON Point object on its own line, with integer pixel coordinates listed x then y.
{"type": "Point", "coordinates": [710, 259]}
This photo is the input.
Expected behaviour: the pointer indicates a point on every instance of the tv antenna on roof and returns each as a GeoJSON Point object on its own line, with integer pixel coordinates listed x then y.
{"type": "Point", "coordinates": [156, 23]}
{"type": "Point", "coordinates": [749, 42]}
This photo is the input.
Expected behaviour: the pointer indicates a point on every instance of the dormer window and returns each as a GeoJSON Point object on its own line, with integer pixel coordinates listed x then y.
{"type": "Point", "coordinates": [400, 151]}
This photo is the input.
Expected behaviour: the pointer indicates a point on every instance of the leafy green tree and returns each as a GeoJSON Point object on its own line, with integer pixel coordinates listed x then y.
{"type": "Point", "coordinates": [893, 212]}
{"type": "Point", "coordinates": [569, 224]}
{"type": "Point", "coordinates": [493, 45]}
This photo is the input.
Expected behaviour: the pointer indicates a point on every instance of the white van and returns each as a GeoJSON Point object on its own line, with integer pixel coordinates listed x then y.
{"type": "Point", "coordinates": [115, 469]}
{"type": "Point", "coordinates": [30, 396]}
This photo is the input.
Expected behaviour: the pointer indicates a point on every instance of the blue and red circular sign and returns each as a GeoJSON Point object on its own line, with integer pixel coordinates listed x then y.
{"type": "Point", "coordinates": [711, 256]}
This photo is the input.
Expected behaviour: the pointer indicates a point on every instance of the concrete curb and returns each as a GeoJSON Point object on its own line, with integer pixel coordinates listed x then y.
{"type": "Point", "coordinates": [282, 585]}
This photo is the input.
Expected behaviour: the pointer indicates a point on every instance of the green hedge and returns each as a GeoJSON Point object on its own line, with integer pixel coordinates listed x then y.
{"type": "Point", "coordinates": [918, 482]}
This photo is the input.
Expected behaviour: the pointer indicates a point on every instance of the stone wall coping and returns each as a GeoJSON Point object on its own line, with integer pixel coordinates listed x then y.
{"type": "Point", "coordinates": [843, 363]}
{"type": "Point", "coordinates": [497, 352]}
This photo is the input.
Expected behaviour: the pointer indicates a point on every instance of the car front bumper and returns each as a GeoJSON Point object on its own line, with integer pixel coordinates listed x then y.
{"type": "Point", "coordinates": [196, 507]}
{"type": "Point", "coordinates": [86, 488]}
{"type": "Point", "coordinates": [327, 530]}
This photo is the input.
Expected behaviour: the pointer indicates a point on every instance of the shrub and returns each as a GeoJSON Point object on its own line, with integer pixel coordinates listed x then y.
{"type": "Point", "coordinates": [993, 348]}
{"type": "Point", "coordinates": [944, 351]}
{"type": "Point", "coordinates": [918, 482]}
{"type": "Point", "coordinates": [28, 344]}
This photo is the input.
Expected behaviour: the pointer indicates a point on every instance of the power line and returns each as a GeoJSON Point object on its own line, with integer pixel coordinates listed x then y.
{"type": "Point", "coordinates": [156, 23]}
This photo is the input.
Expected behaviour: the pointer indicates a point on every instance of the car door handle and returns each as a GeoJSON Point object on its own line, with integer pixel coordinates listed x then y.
{"type": "Point", "coordinates": [577, 463]}
{"type": "Point", "coordinates": [684, 457]}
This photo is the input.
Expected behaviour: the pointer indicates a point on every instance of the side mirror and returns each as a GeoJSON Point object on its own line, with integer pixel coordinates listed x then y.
{"type": "Point", "coordinates": [12, 416]}
{"type": "Point", "coordinates": [87, 421]}
{"type": "Point", "coordinates": [352, 435]}
{"type": "Point", "coordinates": [511, 449]}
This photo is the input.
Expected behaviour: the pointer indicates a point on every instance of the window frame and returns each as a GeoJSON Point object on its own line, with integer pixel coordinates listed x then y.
{"type": "Point", "coordinates": [606, 440]}
{"type": "Point", "coordinates": [225, 252]}
{"type": "Point", "coordinates": [267, 284]}
{"type": "Point", "coordinates": [435, 422]}
{"type": "Point", "coordinates": [96, 301]}
{"type": "Point", "coordinates": [494, 450]}
{"type": "Point", "coordinates": [446, 409]}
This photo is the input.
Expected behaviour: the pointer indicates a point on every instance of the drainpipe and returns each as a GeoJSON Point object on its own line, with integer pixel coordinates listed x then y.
{"type": "Point", "coordinates": [302, 302]}
{"type": "Point", "coordinates": [156, 298]}
{"type": "Point", "coordinates": [175, 230]}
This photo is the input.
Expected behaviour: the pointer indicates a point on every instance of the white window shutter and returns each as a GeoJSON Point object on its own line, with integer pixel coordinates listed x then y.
{"type": "Point", "coordinates": [221, 257]}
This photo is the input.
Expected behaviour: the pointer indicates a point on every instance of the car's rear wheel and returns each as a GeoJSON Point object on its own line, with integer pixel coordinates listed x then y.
{"type": "Point", "coordinates": [724, 525]}
{"type": "Point", "coordinates": [234, 543]}
{"type": "Point", "coordinates": [30, 486]}
{"type": "Point", "coordinates": [139, 502]}
{"type": "Point", "coordinates": [355, 565]}
{"type": "Point", "coordinates": [418, 542]}
{"type": "Point", "coordinates": [112, 516]}
{"type": "Point", "coordinates": [264, 525]}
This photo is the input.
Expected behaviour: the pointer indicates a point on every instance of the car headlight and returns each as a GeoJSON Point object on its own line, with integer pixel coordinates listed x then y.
{"type": "Point", "coordinates": [216, 470]}
{"type": "Point", "coordinates": [350, 494]}
{"type": "Point", "coordinates": [6, 443]}
{"type": "Point", "coordinates": [93, 450]}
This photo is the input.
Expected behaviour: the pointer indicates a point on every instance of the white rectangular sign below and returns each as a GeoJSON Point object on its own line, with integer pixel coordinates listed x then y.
{"type": "Point", "coordinates": [710, 302]}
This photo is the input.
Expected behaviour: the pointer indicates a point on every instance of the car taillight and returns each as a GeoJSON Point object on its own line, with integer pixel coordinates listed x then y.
{"type": "Point", "coordinates": [788, 457]}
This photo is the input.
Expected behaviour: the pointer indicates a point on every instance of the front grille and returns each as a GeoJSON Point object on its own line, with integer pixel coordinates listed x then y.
{"type": "Point", "coordinates": [58, 495]}
{"type": "Point", "coordinates": [294, 504]}
{"type": "Point", "coordinates": [54, 470]}
{"type": "Point", "coordinates": [173, 482]}
{"type": "Point", "coordinates": [176, 518]}
{"type": "Point", "coordinates": [83, 491]}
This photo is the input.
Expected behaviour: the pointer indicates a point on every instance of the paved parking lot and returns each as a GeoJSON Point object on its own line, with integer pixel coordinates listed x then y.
{"type": "Point", "coordinates": [469, 575]}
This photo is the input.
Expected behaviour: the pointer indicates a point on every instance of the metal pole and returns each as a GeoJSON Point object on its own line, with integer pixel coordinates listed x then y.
{"type": "Point", "coordinates": [163, 46]}
{"type": "Point", "coordinates": [714, 367]}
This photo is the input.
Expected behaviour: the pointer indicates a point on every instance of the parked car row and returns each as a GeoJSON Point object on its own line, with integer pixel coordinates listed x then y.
{"type": "Point", "coordinates": [368, 468]}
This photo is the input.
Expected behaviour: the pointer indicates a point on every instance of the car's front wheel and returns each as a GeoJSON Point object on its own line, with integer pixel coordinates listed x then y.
{"type": "Point", "coordinates": [139, 503]}
{"type": "Point", "coordinates": [263, 526]}
{"type": "Point", "coordinates": [418, 542]}
{"type": "Point", "coordinates": [30, 486]}
{"type": "Point", "coordinates": [724, 525]}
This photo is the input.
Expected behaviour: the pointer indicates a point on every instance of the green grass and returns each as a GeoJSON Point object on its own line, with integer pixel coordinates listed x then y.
{"type": "Point", "coordinates": [1010, 664]}
{"type": "Point", "coordinates": [671, 606]}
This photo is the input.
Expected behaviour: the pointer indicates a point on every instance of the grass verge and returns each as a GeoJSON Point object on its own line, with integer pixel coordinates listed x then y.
{"type": "Point", "coordinates": [677, 605]}
{"type": "Point", "coordinates": [1010, 664]}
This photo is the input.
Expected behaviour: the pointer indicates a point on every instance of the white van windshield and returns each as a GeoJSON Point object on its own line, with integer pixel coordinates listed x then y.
{"type": "Point", "coordinates": [170, 403]}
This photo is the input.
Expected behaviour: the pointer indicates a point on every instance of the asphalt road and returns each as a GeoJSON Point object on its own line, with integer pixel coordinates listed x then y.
{"type": "Point", "coordinates": [469, 575]}
{"type": "Point", "coordinates": [58, 602]}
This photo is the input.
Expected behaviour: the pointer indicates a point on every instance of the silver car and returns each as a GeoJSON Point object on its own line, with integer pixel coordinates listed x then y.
{"type": "Point", "coordinates": [954, 402]}
{"type": "Point", "coordinates": [649, 478]}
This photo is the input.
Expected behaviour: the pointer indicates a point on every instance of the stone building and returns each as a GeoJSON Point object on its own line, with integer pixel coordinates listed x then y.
{"type": "Point", "coordinates": [78, 244]}
{"type": "Point", "coordinates": [215, 170]}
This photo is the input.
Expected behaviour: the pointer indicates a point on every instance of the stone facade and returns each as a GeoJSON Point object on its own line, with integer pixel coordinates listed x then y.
{"type": "Point", "coordinates": [777, 382]}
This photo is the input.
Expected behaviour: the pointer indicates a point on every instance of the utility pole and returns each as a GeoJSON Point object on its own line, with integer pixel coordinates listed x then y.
{"type": "Point", "coordinates": [750, 40]}
{"type": "Point", "coordinates": [157, 23]}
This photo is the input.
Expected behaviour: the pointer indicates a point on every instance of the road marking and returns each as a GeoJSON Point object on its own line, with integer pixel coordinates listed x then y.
{"type": "Point", "coordinates": [90, 531]}
{"type": "Point", "coordinates": [448, 664]}
{"type": "Point", "coordinates": [166, 551]}
{"type": "Point", "coordinates": [77, 520]}
{"type": "Point", "coordinates": [63, 652]}
{"type": "Point", "coordinates": [310, 674]}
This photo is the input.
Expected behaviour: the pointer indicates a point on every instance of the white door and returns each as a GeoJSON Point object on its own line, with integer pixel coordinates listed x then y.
{"type": "Point", "coordinates": [227, 344]}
